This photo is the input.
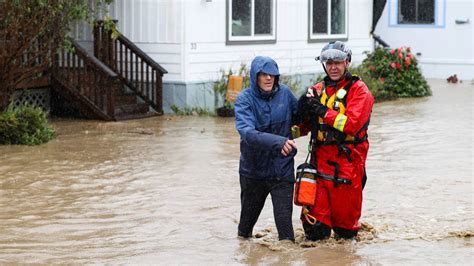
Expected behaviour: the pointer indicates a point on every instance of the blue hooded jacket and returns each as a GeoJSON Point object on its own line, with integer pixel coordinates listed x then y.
{"type": "Point", "coordinates": [264, 120]}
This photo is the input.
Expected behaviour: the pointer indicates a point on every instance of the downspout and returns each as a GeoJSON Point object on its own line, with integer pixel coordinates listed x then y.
{"type": "Point", "coordinates": [183, 81]}
{"type": "Point", "coordinates": [377, 10]}
{"type": "Point", "coordinates": [183, 42]}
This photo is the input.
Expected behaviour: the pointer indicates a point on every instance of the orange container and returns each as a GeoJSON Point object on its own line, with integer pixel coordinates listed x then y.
{"type": "Point", "coordinates": [234, 87]}
{"type": "Point", "coordinates": [306, 185]}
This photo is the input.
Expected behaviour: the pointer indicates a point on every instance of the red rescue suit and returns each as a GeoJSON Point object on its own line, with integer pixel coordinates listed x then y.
{"type": "Point", "coordinates": [339, 205]}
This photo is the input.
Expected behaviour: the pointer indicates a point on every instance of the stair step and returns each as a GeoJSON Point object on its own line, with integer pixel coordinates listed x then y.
{"type": "Point", "coordinates": [140, 108]}
{"type": "Point", "coordinates": [135, 116]}
{"type": "Point", "coordinates": [123, 89]}
{"type": "Point", "coordinates": [125, 99]}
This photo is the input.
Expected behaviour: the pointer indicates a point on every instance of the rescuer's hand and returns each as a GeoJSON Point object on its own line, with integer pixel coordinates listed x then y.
{"type": "Point", "coordinates": [315, 107]}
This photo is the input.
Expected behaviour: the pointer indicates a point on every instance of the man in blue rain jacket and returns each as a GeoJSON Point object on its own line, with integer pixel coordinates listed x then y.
{"type": "Point", "coordinates": [263, 117]}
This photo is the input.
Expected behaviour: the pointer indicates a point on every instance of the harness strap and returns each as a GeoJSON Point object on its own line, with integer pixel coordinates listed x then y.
{"type": "Point", "coordinates": [354, 79]}
{"type": "Point", "coordinates": [336, 138]}
{"type": "Point", "coordinates": [364, 138]}
{"type": "Point", "coordinates": [340, 180]}
{"type": "Point", "coordinates": [344, 149]}
{"type": "Point", "coordinates": [335, 179]}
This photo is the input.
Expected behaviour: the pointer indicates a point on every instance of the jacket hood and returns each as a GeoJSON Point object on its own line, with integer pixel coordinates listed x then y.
{"type": "Point", "coordinates": [266, 65]}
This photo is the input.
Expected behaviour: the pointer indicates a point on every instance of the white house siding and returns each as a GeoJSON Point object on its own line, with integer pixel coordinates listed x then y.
{"type": "Point", "coordinates": [205, 27]}
{"type": "Point", "coordinates": [205, 50]}
{"type": "Point", "coordinates": [188, 38]}
{"type": "Point", "coordinates": [156, 27]}
{"type": "Point", "coordinates": [446, 49]}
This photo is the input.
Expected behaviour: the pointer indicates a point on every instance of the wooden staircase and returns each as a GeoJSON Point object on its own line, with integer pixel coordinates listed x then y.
{"type": "Point", "coordinates": [118, 82]}
{"type": "Point", "coordinates": [85, 82]}
{"type": "Point", "coordinates": [129, 105]}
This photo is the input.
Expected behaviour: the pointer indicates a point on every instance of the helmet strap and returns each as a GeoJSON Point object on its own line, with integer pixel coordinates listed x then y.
{"type": "Point", "coordinates": [325, 70]}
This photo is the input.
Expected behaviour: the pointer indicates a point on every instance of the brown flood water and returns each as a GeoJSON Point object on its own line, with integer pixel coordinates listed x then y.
{"type": "Point", "coordinates": [165, 190]}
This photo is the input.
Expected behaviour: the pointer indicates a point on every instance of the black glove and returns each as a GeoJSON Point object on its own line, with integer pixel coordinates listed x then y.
{"type": "Point", "coordinates": [314, 107]}
{"type": "Point", "coordinates": [302, 113]}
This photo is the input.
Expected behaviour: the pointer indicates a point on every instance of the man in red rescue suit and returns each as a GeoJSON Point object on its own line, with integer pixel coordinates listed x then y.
{"type": "Point", "coordinates": [336, 111]}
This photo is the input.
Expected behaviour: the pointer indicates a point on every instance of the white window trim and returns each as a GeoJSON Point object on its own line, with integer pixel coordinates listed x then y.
{"type": "Point", "coordinates": [439, 13]}
{"type": "Point", "coordinates": [252, 37]}
{"type": "Point", "coordinates": [326, 36]}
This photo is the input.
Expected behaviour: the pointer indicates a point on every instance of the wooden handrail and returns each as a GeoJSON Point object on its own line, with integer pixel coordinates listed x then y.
{"type": "Point", "coordinates": [146, 58]}
{"type": "Point", "coordinates": [88, 79]}
{"type": "Point", "coordinates": [135, 68]}
{"type": "Point", "coordinates": [96, 63]}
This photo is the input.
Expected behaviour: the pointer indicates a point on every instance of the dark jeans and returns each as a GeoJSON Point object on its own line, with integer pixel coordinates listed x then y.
{"type": "Point", "coordinates": [252, 196]}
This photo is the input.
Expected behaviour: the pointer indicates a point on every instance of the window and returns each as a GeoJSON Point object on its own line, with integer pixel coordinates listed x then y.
{"type": "Point", "coordinates": [416, 11]}
{"type": "Point", "coordinates": [251, 21]}
{"type": "Point", "coordinates": [328, 19]}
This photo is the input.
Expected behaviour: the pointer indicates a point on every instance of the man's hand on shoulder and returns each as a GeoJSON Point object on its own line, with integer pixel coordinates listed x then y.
{"type": "Point", "coordinates": [288, 147]}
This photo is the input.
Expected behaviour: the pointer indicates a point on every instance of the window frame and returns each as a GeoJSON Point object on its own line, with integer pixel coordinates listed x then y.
{"type": "Point", "coordinates": [328, 36]}
{"type": "Point", "coordinates": [252, 39]}
{"type": "Point", "coordinates": [439, 16]}
{"type": "Point", "coordinates": [399, 7]}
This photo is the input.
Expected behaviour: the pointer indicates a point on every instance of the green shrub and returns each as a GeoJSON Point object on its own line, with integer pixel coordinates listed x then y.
{"type": "Point", "coordinates": [375, 85]}
{"type": "Point", "coordinates": [200, 111]}
{"type": "Point", "coordinates": [294, 85]}
{"type": "Point", "coordinates": [397, 70]}
{"type": "Point", "coordinates": [25, 125]}
{"type": "Point", "coordinates": [390, 74]}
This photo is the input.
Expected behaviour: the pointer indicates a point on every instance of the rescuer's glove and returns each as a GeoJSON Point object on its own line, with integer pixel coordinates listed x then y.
{"type": "Point", "coordinates": [312, 106]}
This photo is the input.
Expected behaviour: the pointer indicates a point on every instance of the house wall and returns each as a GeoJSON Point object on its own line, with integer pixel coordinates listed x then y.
{"type": "Point", "coordinates": [206, 51]}
{"type": "Point", "coordinates": [188, 38]}
{"type": "Point", "coordinates": [445, 48]}
{"type": "Point", "coordinates": [156, 27]}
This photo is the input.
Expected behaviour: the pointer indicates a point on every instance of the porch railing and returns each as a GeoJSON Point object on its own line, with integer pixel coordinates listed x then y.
{"type": "Point", "coordinates": [133, 66]}
{"type": "Point", "coordinates": [87, 78]}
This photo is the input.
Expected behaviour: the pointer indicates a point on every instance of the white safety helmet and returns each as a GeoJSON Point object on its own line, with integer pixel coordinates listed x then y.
{"type": "Point", "coordinates": [335, 51]}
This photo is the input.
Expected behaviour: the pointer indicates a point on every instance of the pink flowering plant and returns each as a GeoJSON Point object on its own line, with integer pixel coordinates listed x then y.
{"type": "Point", "coordinates": [393, 73]}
